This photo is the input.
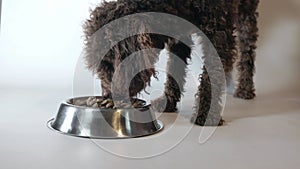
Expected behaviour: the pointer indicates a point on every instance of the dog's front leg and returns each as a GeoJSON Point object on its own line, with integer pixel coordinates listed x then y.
{"type": "Point", "coordinates": [179, 53]}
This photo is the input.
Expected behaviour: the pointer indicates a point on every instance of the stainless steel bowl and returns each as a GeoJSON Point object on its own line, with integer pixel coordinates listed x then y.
{"type": "Point", "coordinates": [104, 123]}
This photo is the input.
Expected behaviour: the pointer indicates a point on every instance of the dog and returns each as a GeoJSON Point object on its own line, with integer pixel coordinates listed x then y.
{"type": "Point", "coordinates": [219, 20]}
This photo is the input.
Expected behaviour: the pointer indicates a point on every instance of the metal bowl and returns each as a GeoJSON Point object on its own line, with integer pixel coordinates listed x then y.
{"type": "Point", "coordinates": [90, 122]}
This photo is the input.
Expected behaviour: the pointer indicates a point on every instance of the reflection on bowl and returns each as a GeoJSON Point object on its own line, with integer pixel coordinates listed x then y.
{"type": "Point", "coordinates": [91, 122]}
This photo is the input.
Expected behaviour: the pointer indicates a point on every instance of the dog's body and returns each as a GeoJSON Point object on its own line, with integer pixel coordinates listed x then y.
{"type": "Point", "coordinates": [218, 19]}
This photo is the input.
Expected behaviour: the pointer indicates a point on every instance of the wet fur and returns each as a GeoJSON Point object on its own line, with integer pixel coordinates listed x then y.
{"type": "Point", "coordinates": [218, 19]}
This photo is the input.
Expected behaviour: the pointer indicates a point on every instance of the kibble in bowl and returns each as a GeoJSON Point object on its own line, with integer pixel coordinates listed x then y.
{"type": "Point", "coordinates": [108, 103]}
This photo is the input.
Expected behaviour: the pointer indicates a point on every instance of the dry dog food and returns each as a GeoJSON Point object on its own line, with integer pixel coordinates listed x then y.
{"type": "Point", "coordinates": [99, 102]}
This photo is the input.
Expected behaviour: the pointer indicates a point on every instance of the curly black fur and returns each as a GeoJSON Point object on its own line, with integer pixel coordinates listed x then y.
{"type": "Point", "coordinates": [218, 19]}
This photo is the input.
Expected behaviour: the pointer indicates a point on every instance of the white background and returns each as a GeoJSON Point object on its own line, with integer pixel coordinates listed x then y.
{"type": "Point", "coordinates": [41, 41]}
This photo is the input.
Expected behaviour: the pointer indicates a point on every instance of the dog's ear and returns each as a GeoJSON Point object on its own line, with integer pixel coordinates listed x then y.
{"type": "Point", "coordinates": [99, 33]}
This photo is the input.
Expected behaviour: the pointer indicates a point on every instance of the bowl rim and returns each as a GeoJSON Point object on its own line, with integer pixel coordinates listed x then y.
{"type": "Point", "coordinates": [67, 102]}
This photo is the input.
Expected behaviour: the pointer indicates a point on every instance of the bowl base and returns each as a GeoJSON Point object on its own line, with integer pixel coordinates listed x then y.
{"type": "Point", "coordinates": [160, 126]}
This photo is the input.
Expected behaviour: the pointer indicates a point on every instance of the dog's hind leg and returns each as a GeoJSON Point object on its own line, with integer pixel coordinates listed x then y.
{"type": "Point", "coordinates": [219, 30]}
{"type": "Point", "coordinates": [247, 29]}
{"type": "Point", "coordinates": [208, 107]}
{"type": "Point", "coordinates": [208, 97]}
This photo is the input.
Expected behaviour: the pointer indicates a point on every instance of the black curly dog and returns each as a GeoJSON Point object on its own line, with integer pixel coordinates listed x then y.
{"type": "Point", "coordinates": [218, 19]}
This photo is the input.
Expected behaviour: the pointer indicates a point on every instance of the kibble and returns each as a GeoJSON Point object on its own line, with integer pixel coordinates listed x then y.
{"type": "Point", "coordinates": [79, 102]}
{"type": "Point", "coordinates": [95, 105]}
{"type": "Point", "coordinates": [109, 105]}
{"type": "Point", "coordinates": [99, 102]}
{"type": "Point", "coordinates": [91, 101]}
{"type": "Point", "coordinates": [104, 102]}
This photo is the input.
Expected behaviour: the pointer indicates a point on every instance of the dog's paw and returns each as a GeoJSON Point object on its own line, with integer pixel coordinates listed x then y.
{"type": "Point", "coordinates": [162, 104]}
{"type": "Point", "coordinates": [245, 95]}
{"type": "Point", "coordinates": [203, 121]}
